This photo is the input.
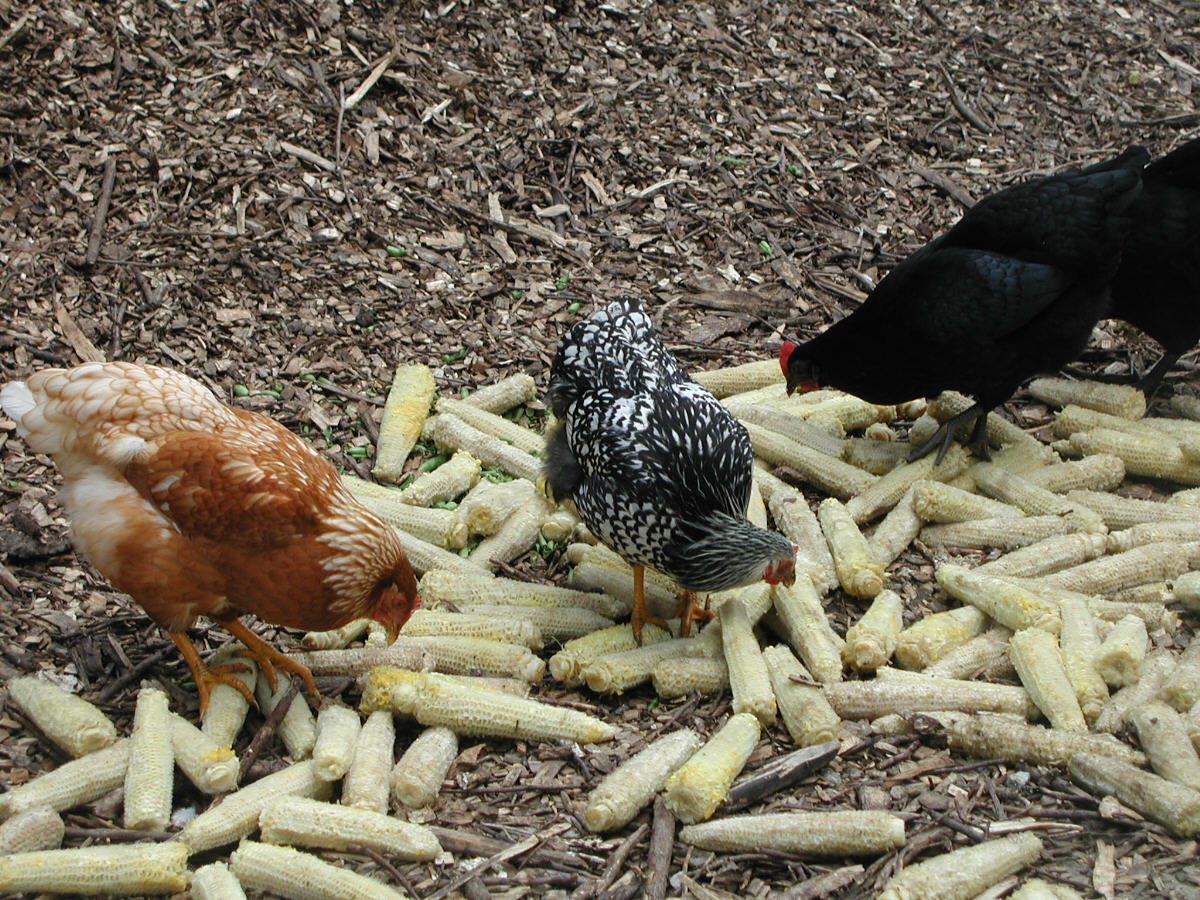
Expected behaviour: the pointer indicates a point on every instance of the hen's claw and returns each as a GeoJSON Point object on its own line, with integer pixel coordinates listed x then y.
{"type": "Point", "coordinates": [207, 678]}
{"type": "Point", "coordinates": [268, 658]}
{"type": "Point", "coordinates": [691, 611]}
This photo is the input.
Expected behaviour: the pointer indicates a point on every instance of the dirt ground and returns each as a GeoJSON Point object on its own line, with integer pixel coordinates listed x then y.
{"type": "Point", "coordinates": [287, 199]}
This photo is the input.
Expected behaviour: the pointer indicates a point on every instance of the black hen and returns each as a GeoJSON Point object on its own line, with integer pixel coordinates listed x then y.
{"type": "Point", "coordinates": [658, 469]}
{"type": "Point", "coordinates": [1157, 287]}
{"type": "Point", "coordinates": [1012, 289]}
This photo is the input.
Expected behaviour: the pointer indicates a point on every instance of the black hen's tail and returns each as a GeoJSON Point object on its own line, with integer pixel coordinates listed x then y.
{"type": "Point", "coordinates": [1179, 168]}
{"type": "Point", "coordinates": [563, 474]}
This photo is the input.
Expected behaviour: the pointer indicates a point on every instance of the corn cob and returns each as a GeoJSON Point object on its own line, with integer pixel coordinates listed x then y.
{"type": "Point", "coordinates": [1039, 664]}
{"type": "Point", "coordinates": [504, 394]}
{"type": "Point", "coordinates": [377, 636]}
{"type": "Point", "coordinates": [298, 728]}
{"type": "Point", "coordinates": [1033, 500]}
{"type": "Point", "coordinates": [36, 828]}
{"type": "Point", "coordinates": [417, 776]}
{"type": "Point", "coordinates": [805, 712]}
{"type": "Point", "coordinates": [301, 876]}
{"type": "Point", "coordinates": [1186, 589]}
{"type": "Point", "coordinates": [1006, 600]}
{"type": "Point", "coordinates": [135, 869]}
{"type": "Point", "coordinates": [879, 457]}
{"type": "Point", "coordinates": [1177, 530]}
{"type": "Point", "coordinates": [1120, 655]}
{"type": "Point", "coordinates": [404, 413]}
{"type": "Point", "coordinates": [437, 526]}
{"type": "Point", "coordinates": [984, 656]}
{"type": "Point", "coordinates": [1151, 592]}
{"type": "Point", "coordinates": [449, 431]}
{"type": "Point", "coordinates": [567, 664]}
{"type": "Point", "coordinates": [1189, 497]}
{"type": "Point", "coordinates": [1000, 431]}
{"type": "Point", "coordinates": [897, 530]}
{"type": "Point", "coordinates": [695, 790]}
{"type": "Point", "coordinates": [337, 734]}
{"type": "Point", "coordinates": [799, 525]}
{"type": "Point", "coordinates": [1048, 555]}
{"type": "Point", "coordinates": [922, 429]}
{"type": "Point", "coordinates": [1144, 454]}
{"type": "Point", "coordinates": [436, 700]}
{"type": "Point", "coordinates": [338, 638]}
{"type": "Point", "coordinates": [1155, 669]}
{"type": "Point", "coordinates": [463, 591]}
{"type": "Point", "coordinates": [1074, 419]}
{"type": "Point", "coordinates": [1099, 472]}
{"type": "Point", "coordinates": [237, 815]}
{"type": "Point", "coordinates": [961, 874]}
{"type": "Point", "coordinates": [819, 834]}
{"type": "Point", "coordinates": [558, 623]}
{"type": "Point", "coordinates": [812, 436]}
{"type": "Point", "coordinates": [806, 627]}
{"type": "Point", "coordinates": [1191, 722]}
{"type": "Point", "coordinates": [624, 791]}
{"type": "Point", "coordinates": [736, 379]}
{"type": "Point", "coordinates": [71, 784]}
{"type": "Point", "coordinates": [935, 501]}
{"type": "Point", "coordinates": [1124, 512]}
{"type": "Point", "coordinates": [1004, 533]}
{"type": "Point", "coordinates": [149, 779]}
{"type": "Point", "coordinates": [756, 507]}
{"type": "Point", "coordinates": [496, 425]}
{"type": "Point", "coordinates": [436, 622]}
{"type": "Point", "coordinates": [1037, 889]}
{"type": "Point", "coordinates": [858, 573]}
{"type": "Point", "coordinates": [1079, 647]}
{"type": "Point", "coordinates": [1155, 615]}
{"type": "Point", "coordinates": [1138, 565]}
{"type": "Point", "coordinates": [995, 736]}
{"type": "Point", "coordinates": [826, 472]}
{"type": "Point", "coordinates": [489, 504]}
{"type": "Point", "coordinates": [355, 661]}
{"type": "Point", "coordinates": [71, 722]}
{"type": "Point", "coordinates": [516, 536]}
{"type": "Point", "coordinates": [1162, 734]}
{"type": "Point", "coordinates": [468, 656]}
{"type": "Point", "coordinates": [215, 882]}
{"type": "Point", "coordinates": [1186, 405]}
{"type": "Point", "coordinates": [366, 783]}
{"type": "Point", "coordinates": [302, 822]}
{"type": "Point", "coordinates": [684, 674]}
{"type": "Point", "coordinates": [450, 480]}
{"type": "Point", "coordinates": [748, 679]}
{"type": "Point", "coordinates": [773, 395]}
{"type": "Point", "coordinates": [871, 641]}
{"type": "Point", "coordinates": [227, 706]}
{"type": "Point", "coordinates": [425, 556]}
{"type": "Point", "coordinates": [1113, 399]}
{"type": "Point", "coordinates": [844, 411]}
{"type": "Point", "coordinates": [1173, 805]}
{"type": "Point", "coordinates": [895, 690]}
{"type": "Point", "coordinates": [615, 673]}
{"type": "Point", "coordinates": [887, 491]}
{"type": "Point", "coordinates": [929, 639]}
{"type": "Point", "coordinates": [1181, 689]}
{"type": "Point", "coordinates": [211, 767]}
{"type": "Point", "coordinates": [598, 568]}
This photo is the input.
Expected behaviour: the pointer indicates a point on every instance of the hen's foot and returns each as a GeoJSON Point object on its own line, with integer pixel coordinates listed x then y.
{"type": "Point", "coordinates": [207, 678]}
{"type": "Point", "coordinates": [978, 442]}
{"type": "Point", "coordinates": [640, 617]}
{"type": "Point", "coordinates": [691, 611]}
{"type": "Point", "coordinates": [268, 658]}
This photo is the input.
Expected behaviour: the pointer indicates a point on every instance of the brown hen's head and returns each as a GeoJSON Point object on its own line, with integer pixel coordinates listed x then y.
{"type": "Point", "coordinates": [395, 598]}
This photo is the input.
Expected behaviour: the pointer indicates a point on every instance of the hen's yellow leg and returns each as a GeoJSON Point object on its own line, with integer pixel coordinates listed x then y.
{"type": "Point", "coordinates": [268, 658]}
{"type": "Point", "coordinates": [691, 611]}
{"type": "Point", "coordinates": [640, 617]}
{"type": "Point", "coordinates": [205, 677]}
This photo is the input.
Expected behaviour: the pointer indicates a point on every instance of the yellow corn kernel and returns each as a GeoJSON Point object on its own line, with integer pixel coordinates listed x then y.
{"type": "Point", "coordinates": [301, 876]}
{"type": "Point", "coordinates": [418, 774]}
{"type": "Point", "coordinates": [1144, 454]}
{"type": "Point", "coordinates": [1099, 472]}
{"type": "Point", "coordinates": [998, 736]}
{"type": "Point", "coordinates": [809, 834]}
{"type": "Point", "coordinates": [961, 874]}
{"type": "Point", "coordinates": [796, 521]}
{"type": "Point", "coordinates": [437, 622]}
{"type": "Point", "coordinates": [1162, 734]}
{"type": "Point", "coordinates": [683, 675]}
{"type": "Point", "coordinates": [807, 629]}
{"type": "Point", "coordinates": [929, 639]}
{"type": "Point", "coordinates": [303, 822]}
{"type": "Point", "coordinates": [812, 436]}
{"type": "Point", "coordinates": [695, 790]}
{"type": "Point", "coordinates": [211, 767]}
{"type": "Point", "coordinates": [614, 673]}
{"type": "Point", "coordinates": [149, 780]}
{"type": "Point", "coordinates": [567, 664]}
{"type": "Point", "coordinates": [984, 656]}
{"type": "Point", "coordinates": [935, 501]}
{"type": "Point", "coordinates": [1004, 533]}
{"type": "Point", "coordinates": [1000, 431]}
{"type": "Point", "coordinates": [1080, 644]}
{"type": "Point", "coordinates": [895, 690]}
{"type": "Point", "coordinates": [489, 504]}
{"type": "Point", "coordinates": [71, 784]}
{"type": "Point", "coordinates": [826, 472]}
{"type": "Point", "coordinates": [898, 529]}
{"type": "Point", "coordinates": [298, 728]}
{"type": "Point", "coordinates": [1006, 600]}
{"type": "Point", "coordinates": [624, 791]}
{"type": "Point", "coordinates": [1138, 565]}
{"type": "Point", "coordinates": [115, 869]}
{"type": "Point", "coordinates": [215, 882]}
{"type": "Point", "coordinates": [496, 425]}
{"type": "Point", "coordinates": [366, 783]}
{"type": "Point", "coordinates": [470, 656]}
{"type": "Point", "coordinates": [737, 379]}
{"type": "Point", "coordinates": [237, 814]}
{"type": "Point", "coordinates": [805, 712]}
{"type": "Point", "coordinates": [1113, 399]}
{"type": "Point", "coordinates": [516, 536]}
{"type": "Point", "coordinates": [1033, 500]}
{"type": "Point", "coordinates": [1157, 666]}
{"type": "Point", "coordinates": [879, 457]}
{"type": "Point", "coordinates": [504, 394]}
{"type": "Point", "coordinates": [450, 480]}
{"type": "Point", "coordinates": [887, 491]}
{"type": "Point", "coordinates": [1039, 664]}
{"type": "Point", "coordinates": [337, 735]}
{"type": "Point", "coordinates": [355, 661]}
{"type": "Point", "coordinates": [36, 828]}
{"type": "Point", "coordinates": [434, 699]}
{"type": "Point", "coordinates": [1120, 655]}
{"type": "Point", "coordinates": [858, 573]}
{"type": "Point", "coordinates": [449, 431]}
{"type": "Point", "coordinates": [1048, 555]}
{"type": "Point", "coordinates": [1170, 804]}
{"type": "Point", "coordinates": [557, 623]}
{"type": "Point", "coordinates": [438, 587]}
{"type": "Point", "coordinates": [748, 679]}
{"type": "Point", "coordinates": [227, 706]}
{"type": "Point", "coordinates": [338, 638]}
{"type": "Point", "coordinates": [71, 722]}
{"type": "Point", "coordinates": [871, 641]}
{"type": "Point", "coordinates": [404, 413]}
{"type": "Point", "coordinates": [437, 526]}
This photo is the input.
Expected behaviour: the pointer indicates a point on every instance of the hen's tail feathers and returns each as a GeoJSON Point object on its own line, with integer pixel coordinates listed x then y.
{"type": "Point", "coordinates": [17, 401]}
{"type": "Point", "coordinates": [1180, 167]}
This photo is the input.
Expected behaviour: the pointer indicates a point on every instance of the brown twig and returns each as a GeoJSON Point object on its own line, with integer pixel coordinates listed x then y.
{"type": "Point", "coordinates": [824, 885]}
{"type": "Point", "coordinates": [384, 864]}
{"type": "Point", "coordinates": [961, 105]}
{"type": "Point", "coordinates": [116, 686]}
{"type": "Point", "coordinates": [658, 857]}
{"type": "Point", "coordinates": [250, 754]}
{"type": "Point", "coordinates": [96, 232]}
{"type": "Point", "coordinates": [612, 867]}
{"type": "Point", "coordinates": [938, 180]}
{"type": "Point", "coordinates": [517, 849]}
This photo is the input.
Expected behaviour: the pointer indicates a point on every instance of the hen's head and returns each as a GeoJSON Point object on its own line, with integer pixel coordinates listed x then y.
{"type": "Point", "coordinates": [395, 598]}
{"type": "Point", "coordinates": [799, 371]}
{"type": "Point", "coordinates": [781, 570]}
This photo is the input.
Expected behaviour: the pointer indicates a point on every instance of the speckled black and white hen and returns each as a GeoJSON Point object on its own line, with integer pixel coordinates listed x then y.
{"type": "Point", "coordinates": [658, 469]}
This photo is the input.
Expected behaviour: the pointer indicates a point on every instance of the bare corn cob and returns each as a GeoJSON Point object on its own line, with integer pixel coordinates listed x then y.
{"type": "Point", "coordinates": [695, 790]}
{"type": "Point", "coordinates": [812, 436]}
{"type": "Point", "coordinates": [736, 379]}
{"type": "Point", "coordinates": [1005, 600]}
{"type": "Point", "coordinates": [1144, 454]}
{"type": "Point", "coordinates": [496, 425]}
{"type": "Point", "coordinates": [1076, 418]}
{"type": "Point", "coordinates": [1114, 399]}
{"type": "Point", "coordinates": [808, 834]}
{"type": "Point", "coordinates": [805, 712]}
{"type": "Point", "coordinates": [149, 780]}
{"type": "Point", "coordinates": [468, 656]}
{"type": "Point", "coordinates": [301, 876]}
{"type": "Point", "coordinates": [504, 394]}
{"type": "Point", "coordinates": [215, 882]}
{"type": "Point", "coordinates": [71, 722]}
{"type": "Point", "coordinates": [1000, 431]}
{"type": "Point", "coordinates": [227, 706]}
{"type": "Point", "coordinates": [892, 692]}
{"type": "Point", "coordinates": [1155, 669]}
{"type": "Point", "coordinates": [858, 572]}
{"type": "Point", "coordinates": [1034, 500]}
{"type": "Point", "coordinates": [1191, 722]}
{"type": "Point", "coordinates": [439, 587]}
{"type": "Point", "coordinates": [517, 535]}
{"type": "Point", "coordinates": [366, 783]}
{"type": "Point", "coordinates": [1186, 406]}
{"type": "Point", "coordinates": [337, 735]}
{"type": "Point", "coordinates": [922, 429]}
{"type": "Point", "coordinates": [984, 656]}
{"type": "Point", "coordinates": [1155, 615]}
{"type": "Point", "coordinates": [929, 639]}
{"type": "Point", "coordinates": [418, 774]}
{"type": "Point", "coordinates": [448, 430]}
{"type": "Point", "coordinates": [874, 455]}
{"type": "Point", "coordinates": [831, 475]}
{"type": "Point", "coordinates": [36, 828]}
{"type": "Point", "coordinates": [78, 781]}
{"type": "Point", "coordinates": [1181, 689]}
{"type": "Point", "coordinates": [1138, 565]}
{"type": "Point", "coordinates": [748, 679]}
{"type": "Point", "coordinates": [425, 556]}
{"type": "Point", "coordinates": [898, 529]}
{"type": "Point", "coordinates": [303, 822]}
{"type": "Point", "coordinates": [1039, 664]}
{"type": "Point", "coordinates": [934, 501]}
{"type": "Point", "coordinates": [1000, 736]}
{"type": "Point", "coordinates": [807, 629]}
{"type": "Point", "coordinates": [1099, 472]}
{"type": "Point", "coordinates": [1121, 512]}
{"type": "Point", "coordinates": [599, 568]}
{"type": "Point", "coordinates": [1037, 889]}
{"type": "Point", "coordinates": [404, 413]}
{"type": "Point", "coordinates": [115, 869]}
{"type": "Point", "coordinates": [1048, 555]}
{"type": "Point", "coordinates": [355, 661]}
{"type": "Point", "coordinates": [237, 815]}
{"type": "Point", "coordinates": [436, 700]}
{"type": "Point", "coordinates": [437, 526]}
{"type": "Point", "coordinates": [617, 672]}
{"type": "Point", "coordinates": [1120, 655]}
{"type": "Point", "coordinates": [1189, 497]}
{"type": "Point", "coordinates": [297, 729]}
{"type": "Point", "coordinates": [961, 874]}
{"type": "Point", "coordinates": [871, 641]}
{"type": "Point", "coordinates": [682, 675]}
{"type": "Point", "coordinates": [887, 491]}
{"type": "Point", "coordinates": [448, 481]}
{"type": "Point", "coordinates": [490, 503]}
{"type": "Point", "coordinates": [1080, 644]}
{"type": "Point", "coordinates": [561, 525]}
{"type": "Point", "coordinates": [338, 638]}
{"type": "Point", "coordinates": [756, 508]}
{"type": "Point", "coordinates": [1181, 530]}
{"type": "Point", "coordinates": [567, 664]}
{"type": "Point", "coordinates": [1186, 589]}
{"type": "Point", "coordinates": [773, 395]}
{"type": "Point", "coordinates": [210, 766]}
{"type": "Point", "coordinates": [796, 521]}
{"type": "Point", "coordinates": [847, 412]}
{"type": "Point", "coordinates": [1162, 734]}
{"type": "Point", "coordinates": [558, 623]}
{"type": "Point", "coordinates": [437, 622]}
{"type": "Point", "coordinates": [1004, 533]}
{"type": "Point", "coordinates": [624, 791]}
{"type": "Point", "coordinates": [1170, 804]}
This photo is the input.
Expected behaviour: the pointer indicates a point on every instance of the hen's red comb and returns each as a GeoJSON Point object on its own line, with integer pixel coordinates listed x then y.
{"type": "Point", "coordinates": [784, 352]}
